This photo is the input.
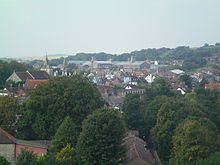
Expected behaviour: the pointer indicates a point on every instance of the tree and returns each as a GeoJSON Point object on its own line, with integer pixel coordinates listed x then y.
{"type": "Point", "coordinates": [171, 113]}
{"type": "Point", "coordinates": [132, 112]}
{"type": "Point", "coordinates": [150, 116]}
{"type": "Point", "coordinates": [210, 100]}
{"type": "Point", "coordinates": [9, 109]}
{"type": "Point", "coordinates": [100, 141]}
{"type": "Point", "coordinates": [3, 161]}
{"type": "Point", "coordinates": [213, 159]}
{"type": "Point", "coordinates": [66, 156]}
{"type": "Point", "coordinates": [192, 142]}
{"type": "Point", "coordinates": [67, 133]}
{"type": "Point", "coordinates": [187, 80]}
{"type": "Point", "coordinates": [26, 158]}
{"type": "Point", "coordinates": [160, 87]}
{"type": "Point", "coordinates": [52, 101]}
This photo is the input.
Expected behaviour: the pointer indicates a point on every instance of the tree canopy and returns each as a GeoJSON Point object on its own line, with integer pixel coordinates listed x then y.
{"type": "Point", "coordinates": [100, 141]}
{"type": "Point", "coordinates": [51, 102]}
{"type": "Point", "coordinates": [67, 133]}
{"type": "Point", "coordinates": [131, 111]}
{"type": "Point", "coordinates": [192, 142]}
{"type": "Point", "coordinates": [9, 110]}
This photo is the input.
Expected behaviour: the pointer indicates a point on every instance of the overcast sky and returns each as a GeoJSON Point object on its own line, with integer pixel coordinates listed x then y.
{"type": "Point", "coordinates": [33, 27]}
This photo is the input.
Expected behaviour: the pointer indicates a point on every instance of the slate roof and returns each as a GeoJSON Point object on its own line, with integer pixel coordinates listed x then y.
{"type": "Point", "coordinates": [31, 143]}
{"type": "Point", "coordinates": [39, 75]}
{"type": "Point", "coordinates": [24, 75]}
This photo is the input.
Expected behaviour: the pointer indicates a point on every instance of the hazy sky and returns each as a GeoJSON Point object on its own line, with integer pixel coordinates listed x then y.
{"type": "Point", "coordinates": [32, 27]}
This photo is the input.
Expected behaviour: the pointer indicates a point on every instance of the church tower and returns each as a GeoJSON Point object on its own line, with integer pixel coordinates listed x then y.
{"type": "Point", "coordinates": [46, 67]}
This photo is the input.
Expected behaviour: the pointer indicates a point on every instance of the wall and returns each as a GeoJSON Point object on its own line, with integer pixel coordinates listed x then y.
{"type": "Point", "coordinates": [8, 151]}
{"type": "Point", "coordinates": [36, 150]}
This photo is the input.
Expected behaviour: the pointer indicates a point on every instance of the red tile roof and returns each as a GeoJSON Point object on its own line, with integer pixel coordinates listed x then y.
{"type": "Point", "coordinates": [31, 84]}
{"type": "Point", "coordinates": [215, 86]}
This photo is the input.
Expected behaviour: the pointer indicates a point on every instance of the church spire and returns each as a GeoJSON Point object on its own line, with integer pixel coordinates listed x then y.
{"type": "Point", "coordinates": [46, 60]}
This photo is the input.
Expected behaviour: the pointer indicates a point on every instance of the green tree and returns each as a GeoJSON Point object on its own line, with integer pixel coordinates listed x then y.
{"type": "Point", "coordinates": [171, 113]}
{"type": "Point", "coordinates": [26, 158]}
{"type": "Point", "coordinates": [213, 159]}
{"type": "Point", "coordinates": [187, 80]}
{"type": "Point", "coordinates": [100, 141]}
{"type": "Point", "coordinates": [210, 100]}
{"type": "Point", "coordinates": [52, 101]}
{"type": "Point", "coordinates": [67, 133]}
{"type": "Point", "coordinates": [3, 161]}
{"type": "Point", "coordinates": [192, 142]}
{"type": "Point", "coordinates": [132, 112]}
{"type": "Point", "coordinates": [66, 156]}
{"type": "Point", "coordinates": [160, 87]}
{"type": "Point", "coordinates": [41, 160]}
{"type": "Point", "coordinates": [150, 116]}
{"type": "Point", "coordinates": [9, 108]}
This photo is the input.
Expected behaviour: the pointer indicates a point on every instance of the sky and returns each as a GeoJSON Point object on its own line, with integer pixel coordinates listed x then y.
{"type": "Point", "coordinates": [30, 28]}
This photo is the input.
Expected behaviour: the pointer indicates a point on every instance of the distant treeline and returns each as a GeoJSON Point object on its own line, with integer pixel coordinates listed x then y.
{"type": "Point", "coordinates": [179, 53]}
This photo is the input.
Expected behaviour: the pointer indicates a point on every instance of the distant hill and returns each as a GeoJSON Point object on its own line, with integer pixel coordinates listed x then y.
{"type": "Point", "coordinates": [179, 53]}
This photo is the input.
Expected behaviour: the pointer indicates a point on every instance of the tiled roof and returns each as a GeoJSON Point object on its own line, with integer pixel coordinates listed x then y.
{"type": "Point", "coordinates": [6, 138]}
{"type": "Point", "coordinates": [31, 84]}
{"type": "Point", "coordinates": [215, 86]}
{"type": "Point", "coordinates": [136, 149]}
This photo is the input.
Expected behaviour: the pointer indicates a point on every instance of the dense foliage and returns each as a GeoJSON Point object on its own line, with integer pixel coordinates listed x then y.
{"type": "Point", "coordinates": [26, 158]}
{"type": "Point", "coordinates": [174, 122]}
{"type": "Point", "coordinates": [131, 111]}
{"type": "Point", "coordinates": [67, 133]}
{"type": "Point", "coordinates": [3, 161]}
{"type": "Point", "coordinates": [192, 141]}
{"type": "Point", "coordinates": [9, 110]}
{"type": "Point", "coordinates": [101, 138]}
{"type": "Point", "coordinates": [51, 102]}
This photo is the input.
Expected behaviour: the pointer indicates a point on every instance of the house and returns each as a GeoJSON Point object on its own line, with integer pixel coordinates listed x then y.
{"type": "Point", "coordinates": [4, 92]}
{"type": "Point", "coordinates": [150, 78]}
{"type": "Point", "coordinates": [16, 91]}
{"type": "Point", "coordinates": [130, 89]}
{"type": "Point", "coordinates": [28, 75]}
{"type": "Point", "coordinates": [10, 147]}
{"type": "Point", "coordinates": [137, 154]}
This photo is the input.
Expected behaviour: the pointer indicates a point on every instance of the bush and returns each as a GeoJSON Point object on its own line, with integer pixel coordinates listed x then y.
{"type": "Point", "coordinates": [3, 161]}
{"type": "Point", "coordinates": [26, 158]}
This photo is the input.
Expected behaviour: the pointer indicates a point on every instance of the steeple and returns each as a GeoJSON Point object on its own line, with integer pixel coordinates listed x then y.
{"type": "Point", "coordinates": [46, 67]}
{"type": "Point", "coordinates": [46, 63]}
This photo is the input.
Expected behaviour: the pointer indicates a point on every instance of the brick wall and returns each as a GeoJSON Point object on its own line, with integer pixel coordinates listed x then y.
{"type": "Point", "coordinates": [36, 150]}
